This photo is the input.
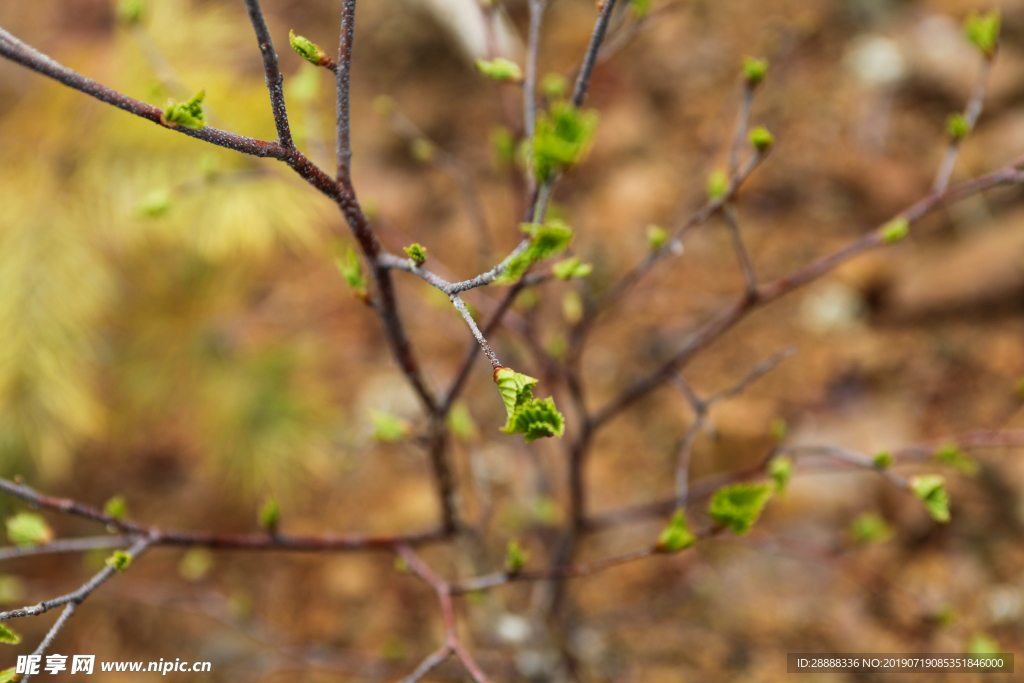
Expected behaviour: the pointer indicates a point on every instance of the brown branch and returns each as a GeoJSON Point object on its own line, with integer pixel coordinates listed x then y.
{"type": "Point", "coordinates": [579, 94]}
{"type": "Point", "coordinates": [344, 67]}
{"type": "Point", "coordinates": [274, 77]}
{"type": "Point", "coordinates": [66, 545]}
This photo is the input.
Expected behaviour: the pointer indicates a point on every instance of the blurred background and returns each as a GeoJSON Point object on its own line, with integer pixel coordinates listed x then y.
{"type": "Point", "coordinates": [174, 330]}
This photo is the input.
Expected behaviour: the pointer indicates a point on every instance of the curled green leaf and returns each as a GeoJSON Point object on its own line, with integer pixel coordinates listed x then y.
{"type": "Point", "coordinates": [930, 489]}
{"type": "Point", "coordinates": [983, 31]}
{"type": "Point", "coordinates": [534, 418]}
{"type": "Point", "coordinates": [188, 114]}
{"type": "Point", "coordinates": [308, 50]}
{"type": "Point", "coordinates": [8, 637]}
{"type": "Point", "coordinates": [417, 253]}
{"type": "Point", "coordinates": [677, 535]}
{"type": "Point", "coordinates": [119, 560]}
{"type": "Point", "coordinates": [546, 240]}
{"type": "Point", "coordinates": [737, 507]}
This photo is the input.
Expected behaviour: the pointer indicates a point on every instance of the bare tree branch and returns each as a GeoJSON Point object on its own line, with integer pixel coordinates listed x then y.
{"type": "Point", "coordinates": [274, 77]}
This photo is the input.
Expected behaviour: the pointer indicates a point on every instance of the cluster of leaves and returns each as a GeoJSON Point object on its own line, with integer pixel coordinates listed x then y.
{"type": "Point", "coordinates": [545, 240]}
{"type": "Point", "coordinates": [562, 138]}
{"type": "Point", "coordinates": [188, 114]}
{"type": "Point", "coordinates": [534, 418]}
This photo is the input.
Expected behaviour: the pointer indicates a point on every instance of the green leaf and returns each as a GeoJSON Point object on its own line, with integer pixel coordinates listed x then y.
{"type": "Point", "coordinates": [500, 69]}
{"type": "Point", "coordinates": [8, 637]}
{"type": "Point", "coordinates": [677, 535]}
{"type": "Point", "coordinates": [308, 50]}
{"type": "Point", "coordinates": [718, 184]}
{"type": "Point", "coordinates": [951, 455]}
{"type": "Point", "coordinates": [119, 560]}
{"type": "Point", "coordinates": [422, 149]}
{"type": "Point", "coordinates": [780, 468]}
{"type": "Point", "coordinates": [554, 86]}
{"type": "Point", "coordinates": [129, 11]}
{"type": "Point", "coordinates": [350, 269]}
{"type": "Point", "coordinates": [188, 114]}
{"type": "Point", "coordinates": [515, 557]}
{"type": "Point", "coordinates": [9, 676]}
{"type": "Point", "coordinates": [116, 507]}
{"type": "Point", "coordinates": [534, 418]}
{"type": "Point", "coordinates": [895, 230]}
{"type": "Point", "coordinates": [883, 460]}
{"type": "Point", "coordinates": [26, 528]}
{"type": "Point", "coordinates": [737, 507]}
{"type": "Point", "coordinates": [461, 423]}
{"type": "Point", "coordinates": [930, 489]}
{"type": "Point", "coordinates": [762, 139]}
{"type": "Point", "coordinates": [639, 8]}
{"type": "Point", "coordinates": [417, 253]}
{"type": "Point", "coordinates": [270, 514]}
{"type": "Point", "coordinates": [562, 138]}
{"type": "Point", "coordinates": [571, 268]}
{"type": "Point", "coordinates": [546, 240]}
{"type": "Point", "coordinates": [657, 236]}
{"type": "Point", "coordinates": [155, 204]}
{"type": "Point", "coordinates": [870, 528]}
{"type": "Point", "coordinates": [195, 564]}
{"type": "Point", "coordinates": [983, 31]}
{"type": "Point", "coordinates": [754, 70]}
{"type": "Point", "coordinates": [957, 127]}
{"type": "Point", "coordinates": [389, 428]}
{"type": "Point", "coordinates": [982, 644]}
{"type": "Point", "coordinates": [515, 388]}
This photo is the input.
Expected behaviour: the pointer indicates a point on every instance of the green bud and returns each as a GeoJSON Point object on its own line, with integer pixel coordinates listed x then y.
{"type": "Point", "coordinates": [983, 31]}
{"type": "Point", "coordinates": [270, 514]}
{"type": "Point", "coordinates": [562, 138]}
{"type": "Point", "coordinates": [350, 269]}
{"type": "Point", "coordinates": [119, 560]}
{"type": "Point", "coordinates": [762, 139]}
{"type": "Point", "coordinates": [895, 230]}
{"type": "Point", "coordinates": [570, 268]}
{"type": "Point", "coordinates": [982, 644]}
{"type": "Point", "coordinates": [155, 204]}
{"type": "Point", "coordinates": [718, 184]}
{"type": "Point", "coordinates": [417, 253]}
{"type": "Point", "coordinates": [657, 236]}
{"type": "Point", "coordinates": [422, 149]}
{"type": "Point", "coordinates": [754, 70]}
{"type": "Point", "coordinates": [780, 468]}
{"type": "Point", "coordinates": [882, 461]}
{"type": "Point", "coordinates": [677, 535]}
{"type": "Point", "coordinates": [738, 506]}
{"type": "Point", "coordinates": [554, 86]}
{"type": "Point", "coordinates": [500, 69]}
{"type": "Point", "coordinates": [308, 50]}
{"type": "Point", "coordinates": [188, 114]}
{"type": "Point", "coordinates": [870, 528]}
{"type": "Point", "coordinates": [957, 127]}
{"type": "Point", "coordinates": [515, 557]}
{"type": "Point", "coordinates": [951, 455]}
{"type": "Point", "coordinates": [116, 507]}
{"type": "Point", "coordinates": [383, 106]}
{"type": "Point", "coordinates": [129, 11]}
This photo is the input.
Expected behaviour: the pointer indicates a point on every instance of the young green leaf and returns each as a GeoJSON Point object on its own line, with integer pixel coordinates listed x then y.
{"type": "Point", "coordinates": [515, 557]}
{"type": "Point", "coordinates": [308, 50]}
{"type": "Point", "coordinates": [270, 514]}
{"type": "Point", "coordinates": [388, 428]}
{"type": "Point", "coordinates": [718, 184]}
{"type": "Point", "coordinates": [554, 86]}
{"type": "Point", "coordinates": [188, 114]}
{"type": "Point", "coordinates": [780, 468]}
{"type": "Point", "coordinates": [883, 460]}
{"type": "Point", "coordinates": [500, 69]}
{"type": "Point", "coordinates": [561, 139]}
{"type": "Point", "coordinates": [982, 644]}
{"type": "Point", "coordinates": [870, 528]}
{"type": "Point", "coordinates": [895, 230]}
{"type": "Point", "coordinates": [26, 528]}
{"type": "Point", "coordinates": [930, 489]}
{"type": "Point", "coordinates": [116, 507]}
{"type": "Point", "coordinates": [546, 240]}
{"type": "Point", "coordinates": [119, 560]}
{"type": "Point", "coordinates": [754, 70]}
{"type": "Point", "coordinates": [737, 507]}
{"type": "Point", "coordinates": [570, 268]}
{"type": "Point", "coordinates": [350, 269]}
{"type": "Point", "coordinates": [951, 455]}
{"type": "Point", "coordinates": [534, 418]}
{"type": "Point", "coordinates": [8, 637]}
{"type": "Point", "coordinates": [983, 31]}
{"type": "Point", "coordinates": [677, 535]}
{"type": "Point", "coordinates": [10, 675]}
{"type": "Point", "coordinates": [762, 139]}
{"type": "Point", "coordinates": [417, 253]}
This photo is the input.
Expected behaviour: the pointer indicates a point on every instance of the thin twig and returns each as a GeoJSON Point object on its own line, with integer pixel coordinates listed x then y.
{"type": "Point", "coordinates": [66, 545]}
{"type": "Point", "coordinates": [52, 634]}
{"type": "Point", "coordinates": [274, 77]}
{"type": "Point", "coordinates": [344, 142]}
{"type": "Point", "coordinates": [971, 115]}
{"type": "Point", "coordinates": [579, 94]}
